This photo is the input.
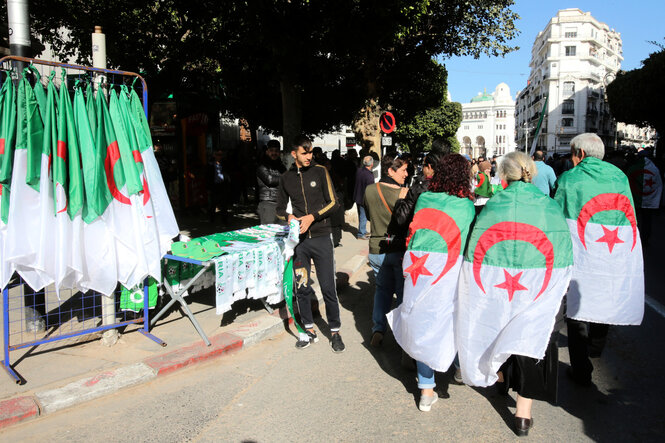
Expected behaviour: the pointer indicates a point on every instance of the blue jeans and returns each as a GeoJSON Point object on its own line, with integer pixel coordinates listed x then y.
{"type": "Point", "coordinates": [389, 280]}
{"type": "Point", "coordinates": [362, 221]}
{"type": "Point", "coordinates": [425, 376]}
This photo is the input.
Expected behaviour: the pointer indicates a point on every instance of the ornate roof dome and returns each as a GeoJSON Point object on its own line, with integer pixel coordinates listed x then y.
{"type": "Point", "coordinates": [482, 97]}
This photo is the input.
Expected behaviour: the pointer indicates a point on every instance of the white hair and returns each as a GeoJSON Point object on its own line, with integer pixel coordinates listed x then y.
{"type": "Point", "coordinates": [517, 166]}
{"type": "Point", "coordinates": [588, 142]}
{"type": "Point", "coordinates": [368, 160]}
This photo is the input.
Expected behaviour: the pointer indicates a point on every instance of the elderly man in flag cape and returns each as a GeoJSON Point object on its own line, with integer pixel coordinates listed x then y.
{"type": "Point", "coordinates": [607, 287]}
{"type": "Point", "coordinates": [516, 269]}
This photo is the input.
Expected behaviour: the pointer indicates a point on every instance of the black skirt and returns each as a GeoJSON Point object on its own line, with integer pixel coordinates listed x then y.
{"type": "Point", "coordinates": [531, 378]}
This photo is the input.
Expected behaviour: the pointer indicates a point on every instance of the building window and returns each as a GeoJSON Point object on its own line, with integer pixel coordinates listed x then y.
{"type": "Point", "coordinates": [568, 88]}
{"type": "Point", "coordinates": [567, 122]}
{"type": "Point", "coordinates": [568, 107]}
{"type": "Point", "coordinates": [570, 33]}
{"type": "Point", "coordinates": [480, 126]}
{"type": "Point", "coordinates": [466, 127]}
{"type": "Point", "coordinates": [571, 51]}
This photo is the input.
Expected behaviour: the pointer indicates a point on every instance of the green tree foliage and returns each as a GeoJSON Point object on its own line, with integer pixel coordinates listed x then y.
{"type": "Point", "coordinates": [289, 66]}
{"type": "Point", "coordinates": [417, 134]}
{"type": "Point", "coordinates": [637, 96]}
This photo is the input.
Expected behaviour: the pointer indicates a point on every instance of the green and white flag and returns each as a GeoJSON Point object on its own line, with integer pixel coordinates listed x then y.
{"type": "Point", "coordinates": [167, 226]}
{"type": "Point", "coordinates": [608, 277]}
{"type": "Point", "coordinates": [423, 323]}
{"type": "Point", "coordinates": [98, 243]}
{"type": "Point", "coordinates": [24, 219]}
{"type": "Point", "coordinates": [68, 194]}
{"type": "Point", "coordinates": [516, 270]}
{"type": "Point", "coordinates": [7, 137]}
{"type": "Point", "coordinates": [146, 245]}
{"type": "Point", "coordinates": [132, 299]}
{"type": "Point", "coordinates": [645, 183]}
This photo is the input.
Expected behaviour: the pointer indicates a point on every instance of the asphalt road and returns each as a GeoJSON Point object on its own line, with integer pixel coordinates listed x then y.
{"type": "Point", "coordinates": [273, 392]}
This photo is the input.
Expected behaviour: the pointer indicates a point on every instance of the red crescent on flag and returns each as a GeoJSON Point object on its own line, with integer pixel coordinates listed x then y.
{"type": "Point", "coordinates": [2, 146]}
{"type": "Point", "coordinates": [504, 184]}
{"type": "Point", "coordinates": [146, 192]}
{"type": "Point", "coordinates": [633, 178]}
{"type": "Point", "coordinates": [56, 198]}
{"type": "Point", "coordinates": [481, 180]}
{"type": "Point", "coordinates": [112, 157]}
{"type": "Point", "coordinates": [503, 231]}
{"type": "Point", "coordinates": [606, 202]}
{"type": "Point", "coordinates": [445, 226]}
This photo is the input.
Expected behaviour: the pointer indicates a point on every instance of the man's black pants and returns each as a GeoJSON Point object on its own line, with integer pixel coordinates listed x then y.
{"type": "Point", "coordinates": [319, 250]}
{"type": "Point", "coordinates": [585, 340]}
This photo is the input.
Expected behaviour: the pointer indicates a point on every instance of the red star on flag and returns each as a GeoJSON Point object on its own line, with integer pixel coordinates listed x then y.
{"type": "Point", "coordinates": [417, 267]}
{"type": "Point", "coordinates": [512, 284]}
{"type": "Point", "coordinates": [611, 237]}
{"type": "Point", "coordinates": [648, 183]}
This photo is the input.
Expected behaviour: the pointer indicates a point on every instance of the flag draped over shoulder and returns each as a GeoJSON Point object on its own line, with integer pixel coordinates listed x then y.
{"type": "Point", "coordinates": [423, 323]}
{"type": "Point", "coordinates": [515, 272]}
{"type": "Point", "coordinates": [608, 278]}
{"type": "Point", "coordinates": [645, 183]}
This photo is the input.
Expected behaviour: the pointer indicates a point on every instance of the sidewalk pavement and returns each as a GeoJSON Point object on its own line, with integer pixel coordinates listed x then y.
{"type": "Point", "coordinates": [67, 373]}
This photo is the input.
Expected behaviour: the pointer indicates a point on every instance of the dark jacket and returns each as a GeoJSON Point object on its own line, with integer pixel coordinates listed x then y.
{"type": "Point", "coordinates": [267, 175]}
{"type": "Point", "coordinates": [364, 177]}
{"type": "Point", "coordinates": [403, 212]}
{"type": "Point", "coordinates": [311, 192]}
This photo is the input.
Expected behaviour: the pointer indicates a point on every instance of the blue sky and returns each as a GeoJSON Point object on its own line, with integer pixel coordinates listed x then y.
{"type": "Point", "coordinates": [637, 21]}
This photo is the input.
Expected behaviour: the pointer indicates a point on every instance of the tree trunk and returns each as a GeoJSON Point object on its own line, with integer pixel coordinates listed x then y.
{"type": "Point", "coordinates": [291, 110]}
{"type": "Point", "coordinates": [366, 127]}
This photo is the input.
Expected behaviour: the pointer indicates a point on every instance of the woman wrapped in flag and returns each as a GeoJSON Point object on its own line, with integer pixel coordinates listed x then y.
{"type": "Point", "coordinates": [516, 270]}
{"type": "Point", "coordinates": [423, 323]}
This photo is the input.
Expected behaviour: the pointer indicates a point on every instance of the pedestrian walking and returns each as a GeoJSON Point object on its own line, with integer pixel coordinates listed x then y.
{"type": "Point", "coordinates": [364, 178]}
{"type": "Point", "coordinates": [268, 173]}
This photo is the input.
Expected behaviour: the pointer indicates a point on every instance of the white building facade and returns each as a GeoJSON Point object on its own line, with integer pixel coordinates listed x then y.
{"type": "Point", "coordinates": [488, 124]}
{"type": "Point", "coordinates": [572, 60]}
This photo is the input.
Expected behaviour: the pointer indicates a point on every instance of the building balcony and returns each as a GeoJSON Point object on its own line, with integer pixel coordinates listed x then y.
{"type": "Point", "coordinates": [592, 113]}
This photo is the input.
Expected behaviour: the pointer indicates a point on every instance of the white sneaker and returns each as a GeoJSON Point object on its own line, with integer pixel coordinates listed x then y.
{"type": "Point", "coordinates": [426, 402]}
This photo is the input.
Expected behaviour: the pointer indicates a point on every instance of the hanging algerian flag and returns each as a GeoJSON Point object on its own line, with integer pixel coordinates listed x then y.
{"type": "Point", "coordinates": [290, 242]}
{"type": "Point", "coordinates": [124, 232]}
{"type": "Point", "coordinates": [98, 245]}
{"type": "Point", "coordinates": [7, 130]}
{"type": "Point", "coordinates": [645, 183]}
{"type": "Point", "coordinates": [515, 273]}
{"type": "Point", "coordinates": [164, 216]}
{"type": "Point", "coordinates": [68, 194]}
{"type": "Point", "coordinates": [90, 107]}
{"type": "Point", "coordinates": [423, 323]}
{"type": "Point", "coordinates": [132, 299]}
{"type": "Point", "coordinates": [24, 220]}
{"type": "Point", "coordinates": [146, 241]}
{"type": "Point", "coordinates": [608, 278]}
{"type": "Point", "coordinates": [46, 255]}
{"type": "Point", "coordinates": [534, 144]}
{"type": "Point", "coordinates": [7, 134]}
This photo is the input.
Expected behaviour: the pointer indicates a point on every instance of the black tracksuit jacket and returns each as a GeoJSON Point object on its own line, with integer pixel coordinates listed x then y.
{"type": "Point", "coordinates": [311, 192]}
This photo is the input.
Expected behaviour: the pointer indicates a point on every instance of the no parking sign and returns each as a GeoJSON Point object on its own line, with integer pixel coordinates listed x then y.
{"type": "Point", "coordinates": [387, 122]}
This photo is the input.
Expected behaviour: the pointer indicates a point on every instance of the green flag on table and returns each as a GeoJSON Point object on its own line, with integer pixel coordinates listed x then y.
{"type": "Point", "coordinates": [608, 276]}
{"type": "Point", "coordinates": [516, 270]}
{"type": "Point", "coordinates": [423, 323]}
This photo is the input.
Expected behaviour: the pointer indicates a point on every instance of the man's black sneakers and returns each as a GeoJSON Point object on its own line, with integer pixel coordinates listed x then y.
{"type": "Point", "coordinates": [337, 343]}
{"type": "Point", "coordinates": [311, 338]}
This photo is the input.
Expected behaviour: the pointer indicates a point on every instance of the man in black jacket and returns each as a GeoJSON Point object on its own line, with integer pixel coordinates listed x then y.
{"type": "Point", "coordinates": [267, 174]}
{"type": "Point", "coordinates": [313, 200]}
